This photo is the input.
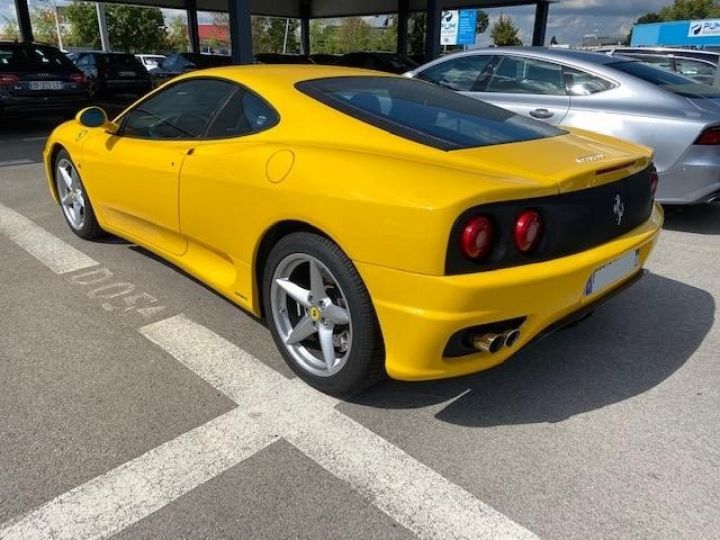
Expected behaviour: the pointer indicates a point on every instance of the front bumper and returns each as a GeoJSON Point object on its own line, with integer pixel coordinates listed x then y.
{"type": "Point", "coordinates": [419, 313]}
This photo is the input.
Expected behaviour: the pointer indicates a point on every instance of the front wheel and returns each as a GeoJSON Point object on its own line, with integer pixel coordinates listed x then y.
{"type": "Point", "coordinates": [321, 316]}
{"type": "Point", "coordinates": [75, 204]}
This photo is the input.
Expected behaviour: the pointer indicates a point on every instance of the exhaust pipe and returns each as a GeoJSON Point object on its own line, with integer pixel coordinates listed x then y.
{"type": "Point", "coordinates": [511, 337]}
{"type": "Point", "coordinates": [489, 343]}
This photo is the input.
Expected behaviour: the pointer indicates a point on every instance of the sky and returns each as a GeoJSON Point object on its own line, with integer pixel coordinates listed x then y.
{"type": "Point", "coordinates": [569, 20]}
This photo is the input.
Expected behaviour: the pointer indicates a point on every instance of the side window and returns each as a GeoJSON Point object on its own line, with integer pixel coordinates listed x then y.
{"type": "Point", "coordinates": [82, 61]}
{"type": "Point", "coordinates": [664, 62]}
{"type": "Point", "coordinates": [465, 74]}
{"type": "Point", "coordinates": [518, 75]}
{"type": "Point", "coordinates": [169, 63]}
{"type": "Point", "coordinates": [580, 83]}
{"type": "Point", "coordinates": [182, 111]}
{"type": "Point", "coordinates": [243, 114]}
{"type": "Point", "coordinates": [703, 72]}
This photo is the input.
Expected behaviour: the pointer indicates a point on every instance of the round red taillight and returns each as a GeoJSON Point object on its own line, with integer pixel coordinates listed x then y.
{"type": "Point", "coordinates": [528, 231]}
{"type": "Point", "coordinates": [654, 179]}
{"type": "Point", "coordinates": [477, 237]}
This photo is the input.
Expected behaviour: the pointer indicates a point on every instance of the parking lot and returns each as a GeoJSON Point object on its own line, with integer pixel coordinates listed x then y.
{"type": "Point", "coordinates": [137, 402]}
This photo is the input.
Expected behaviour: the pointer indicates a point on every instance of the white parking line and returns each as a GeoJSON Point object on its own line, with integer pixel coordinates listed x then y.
{"type": "Point", "coordinates": [58, 256]}
{"type": "Point", "coordinates": [408, 491]}
{"type": "Point", "coordinates": [33, 139]}
{"type": "Point", "coordinates": [114, 501]}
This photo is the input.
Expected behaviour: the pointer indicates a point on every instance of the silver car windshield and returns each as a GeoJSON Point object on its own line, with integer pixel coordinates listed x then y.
{"type": "Point", "coordinates": [671, 82]}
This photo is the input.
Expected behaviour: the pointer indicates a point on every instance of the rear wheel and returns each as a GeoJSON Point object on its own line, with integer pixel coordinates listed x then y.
{"type": "Point", "coordinates": [321, 316]}
{"type": "Point", "coordinates": [75, 204]}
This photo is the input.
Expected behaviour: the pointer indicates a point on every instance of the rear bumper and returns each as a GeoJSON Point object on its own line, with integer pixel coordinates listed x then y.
{"type": "Point", "coordinates": [419, 314]}
{"type": "Point", "coordinates": [693, 179]}
{"type": "Point", "coordinates": [43, 104]}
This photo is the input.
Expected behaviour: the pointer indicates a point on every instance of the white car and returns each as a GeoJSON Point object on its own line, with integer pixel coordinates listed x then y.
{"type": "Point", "coordinates": [150, 61]}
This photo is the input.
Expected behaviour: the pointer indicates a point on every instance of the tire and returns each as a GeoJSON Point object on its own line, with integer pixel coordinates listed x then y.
{"type": "Point", "coordinates": [358, 342]}
{"type": "Point", "coordinates": [74, 201]}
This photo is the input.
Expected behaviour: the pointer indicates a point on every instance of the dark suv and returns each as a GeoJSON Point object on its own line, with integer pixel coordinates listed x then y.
{"type": "Point", "coordinates": [39, 79]}
{"type": "Point", "coordinates": [111, 73]}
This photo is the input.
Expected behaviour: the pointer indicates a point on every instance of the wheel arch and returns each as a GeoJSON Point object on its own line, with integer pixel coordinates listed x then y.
{"type": "Point", "coordinates": [50, 166]}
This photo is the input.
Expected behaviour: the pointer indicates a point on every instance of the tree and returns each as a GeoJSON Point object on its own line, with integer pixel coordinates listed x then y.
{"type": "Point", "coordinates": [176, 38]}
{"type": "Point", "coordinates": [43, 24]}
{"type": "Point", "coordinates": [130, 28]}
{"type": "Point", "coordinates": [690, 9]}
{"type": "Point", "coordinates": [553, 41]}
{"type": "Point", "coordinates": [482, 23]}
{"type": "Point", "coordinates": [505, 33]}
{"type": "Point", "coordinates": [10, 29]}
{"type": "Point", "coordinates": [416, 39]}
{"type": "Point", "coordinates": [651, 17]}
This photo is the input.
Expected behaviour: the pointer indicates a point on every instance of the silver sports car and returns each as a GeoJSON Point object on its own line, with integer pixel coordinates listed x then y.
{"type": "Point", "coordinates": [614, 95]}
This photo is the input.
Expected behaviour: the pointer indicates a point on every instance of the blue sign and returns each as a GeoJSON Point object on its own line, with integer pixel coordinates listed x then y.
{"type": "Point", "coordinates": [466, 27]}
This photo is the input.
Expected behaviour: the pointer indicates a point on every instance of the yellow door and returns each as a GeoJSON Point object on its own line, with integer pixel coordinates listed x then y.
{"type": "Point", "coordinates": [135, 183]}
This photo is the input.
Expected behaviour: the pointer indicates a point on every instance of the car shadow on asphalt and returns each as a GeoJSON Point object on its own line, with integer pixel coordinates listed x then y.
{"type": "Point", "coordinates": [629, 346]}
{"type": "Point", "coordinates": [698, 219]}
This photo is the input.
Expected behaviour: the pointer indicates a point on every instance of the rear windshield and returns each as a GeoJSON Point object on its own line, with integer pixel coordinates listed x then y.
{"type": "Point", "coordinates": [425, 113]}
{"type": "Point", "coordinates": [671, 82]}
{"type": "Point", "coordinates": [31, 57]}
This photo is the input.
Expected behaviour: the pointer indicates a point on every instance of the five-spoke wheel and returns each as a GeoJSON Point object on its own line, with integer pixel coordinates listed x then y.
{"type": "Point", "coordinates": [320, 315]}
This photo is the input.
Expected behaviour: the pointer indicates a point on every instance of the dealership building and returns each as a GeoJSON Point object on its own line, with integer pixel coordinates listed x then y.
{"type": "Point", "coordinates": [701, 33]}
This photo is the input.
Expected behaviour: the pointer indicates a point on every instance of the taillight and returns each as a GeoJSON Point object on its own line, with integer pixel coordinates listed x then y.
{"type": "Point", "coordinates": [78, 78]}
{"type": "Point", "coordinates": [6, 79]}
{"type": "Point", "coordinates": [477, 238]}
{"type": "Point", "coordinates": [528, 231]}
{"type": "Point", "coordinates": [654, 179]}
{"type": "Point", "coordinates": [711, 136]}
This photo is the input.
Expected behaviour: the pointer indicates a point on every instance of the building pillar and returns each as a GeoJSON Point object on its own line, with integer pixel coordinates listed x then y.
{"type": "Point", "coordinates": [432, 29]}
{"type": "Point", "coordinates": [305, 27]}
{"type": "Point", "coordinates": [192, 25]}
{"type": "Point", "coordinates": [102, 27]}
{"type": "Point", "coordinates": [541, 18]}
{"type": "Point", "coordinates": [23, 17]}
{"type": "Point", "coordinates": [402, 26]}
{"type": "Point", "coordinates": [241, 31]}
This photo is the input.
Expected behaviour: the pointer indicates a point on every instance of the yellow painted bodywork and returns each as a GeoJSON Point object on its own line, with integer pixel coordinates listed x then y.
{"type": "Point", "coordinates": [388, 202]}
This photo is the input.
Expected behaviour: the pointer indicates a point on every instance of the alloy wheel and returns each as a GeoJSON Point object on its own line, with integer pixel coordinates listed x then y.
{"type": "Point", "coordinates": [311, 314]}
{"type": "Point", "coordinates": [70, 192]}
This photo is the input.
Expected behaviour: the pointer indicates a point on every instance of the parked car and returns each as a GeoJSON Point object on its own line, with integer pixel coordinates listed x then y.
{"type": "Point", "coordinates": [326, 59]}
{"type": "Point", "coordinates": [481, 229]}
{"type": "Point", "coordinates": [178, 63]}
{"type": "Point", "coordinates": [614, 95]}
{"type": "Point", "coordinates": [380, 61]}
{"type": "Point", "coordinates": [700, 54]}
{"type": "Point", "coordinates": [150, 61]}
{"type": "Point", "coordinates": [280, 58]}
{"type": "Point", "coordinates": [114, 73]}
{"type": "Point", "coordinates": [698, 69]}
{"type": "Point", "coordinates": [39, 79]}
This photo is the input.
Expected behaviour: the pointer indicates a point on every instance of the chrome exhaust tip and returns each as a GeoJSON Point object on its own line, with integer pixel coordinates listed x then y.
{"type": "Point", "coordinates": [511, 337]}
{"type": "Point", "coordinates": [489, 343]}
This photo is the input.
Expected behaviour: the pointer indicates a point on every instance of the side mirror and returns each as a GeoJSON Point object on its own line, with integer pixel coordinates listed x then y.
{"type": "Point", "coordinates": [94, 117]}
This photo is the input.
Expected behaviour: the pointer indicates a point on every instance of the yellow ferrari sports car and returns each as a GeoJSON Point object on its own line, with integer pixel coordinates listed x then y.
{"type": "Point", "coordinates": [380, 225]}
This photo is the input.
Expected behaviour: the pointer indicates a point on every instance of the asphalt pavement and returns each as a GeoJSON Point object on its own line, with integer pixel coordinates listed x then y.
{"type": "Point", "coordinates": [136, 402]}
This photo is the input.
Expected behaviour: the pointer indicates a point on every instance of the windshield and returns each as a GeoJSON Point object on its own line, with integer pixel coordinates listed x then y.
{"type": "Point", "coordinates": [15, 57]}
{"type": "Point", "coordinates": [425, 113]}
{"type": "Point", "coordinates": [671, 82]}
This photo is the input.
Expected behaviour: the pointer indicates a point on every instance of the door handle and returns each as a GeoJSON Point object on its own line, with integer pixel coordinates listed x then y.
{"type": "Point", "coordinates": [541, 113]}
